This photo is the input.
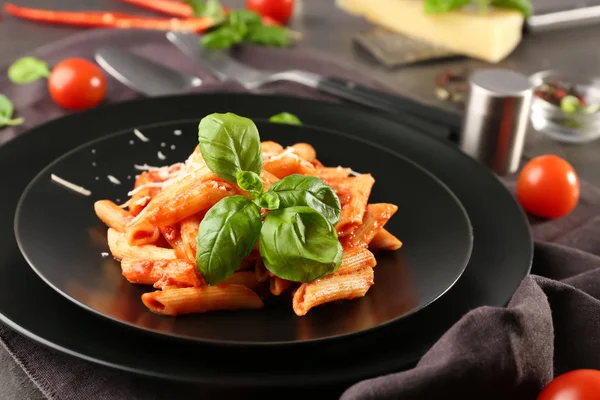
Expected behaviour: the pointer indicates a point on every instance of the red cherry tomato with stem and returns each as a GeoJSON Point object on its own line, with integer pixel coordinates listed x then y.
{"type": "Point", "coordinates": [77, 84]}
{"type": "Point", "coordinates": [279, 10]}
{"type": "Point", "coordinates": [581, 384]}
{"type": "Point", "coordinates": [548, 187]}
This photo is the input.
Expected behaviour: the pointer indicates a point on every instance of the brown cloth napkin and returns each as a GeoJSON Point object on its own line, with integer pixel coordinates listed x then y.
{"type": "Point", "coordinates": [552, 324]}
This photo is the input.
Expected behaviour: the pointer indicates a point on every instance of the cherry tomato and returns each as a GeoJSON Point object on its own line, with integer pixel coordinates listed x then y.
{"type": "Point", "coordinates": [548, 187]}
{"type": "Point", "coordinates": [279, 10]}
{"type": "Point", "coordinates": [581, 384]}
{"type": "Point", "coordinates": [77, 84]}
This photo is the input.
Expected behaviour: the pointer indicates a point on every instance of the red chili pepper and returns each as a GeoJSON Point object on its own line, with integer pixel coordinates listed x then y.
{"type": "Point", "coordinates": [108, 19]}
{"type": "Point", "coordinates": [169, 7]}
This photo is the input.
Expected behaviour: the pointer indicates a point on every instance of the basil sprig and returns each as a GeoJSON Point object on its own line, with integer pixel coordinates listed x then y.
{"type": "Point", "coordinates": [227, 234]}
{"type": "Point", "coordinates": [299, 244]}
{"type": "Point", "coordinates": [6, 113]}
{"type": "Point", "coordinates": [230, 144]}
{"type": "Point", "coordinates": [300, 190]}
{"type": "Point", "coordinates": [440, 6]}
{"type": "Point", "coordinates": [238, 26]}
{"type": "Point", "coordinates": [285, 118]}
{"type": "Point", "coordinates": [28, 69]}
{"type": "Point", "coordinates": [298, 240]}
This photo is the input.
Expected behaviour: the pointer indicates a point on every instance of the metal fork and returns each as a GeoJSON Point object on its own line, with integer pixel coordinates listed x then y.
{"type": "Point", "coordinates": [224, 67]}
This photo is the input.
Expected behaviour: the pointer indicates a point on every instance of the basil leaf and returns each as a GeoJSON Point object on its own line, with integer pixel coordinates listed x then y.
{"type": "Point", "coordinates": [523, 6]}
{"type": "Point", "coordinates": [268, 200]}
{"type": "Point", "coordinates": [250, 182]}
{"type": "Point", "coordinates": [241, 20]}
{"type": "Point", "coordinates": [285, 118]}
{"type": "Point", "coordinates": [213, 9]}
{"type": "Point", "coordinates": [28, 69]}
{"type": "Point", "coordinates": [210, 9]}
{"type": "Point", "coordinates": [249, 18]}
{"type": "Point", "coordinates": [227, 234]}
{"type": "Point", "coordinates": [230, 143]}
{"type": "Point", "coordinates": [300, 190]}
{"type": "Point", "coordinates": [271, 35]}
{"type": "Point", "coordinates": [299, 244]}
{"type": "Point", "coordinates": [221, 38]}
{"type": "Point", "coordinates": [440, 6]}
{"type": "Point", "coordinates": [6, 113]}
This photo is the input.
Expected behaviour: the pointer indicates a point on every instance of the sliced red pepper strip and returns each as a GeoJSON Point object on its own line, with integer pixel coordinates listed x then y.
{"type": "Point", "coordinates": [173, 8]}
{"type": "Point", "coordinates": [108, 19]}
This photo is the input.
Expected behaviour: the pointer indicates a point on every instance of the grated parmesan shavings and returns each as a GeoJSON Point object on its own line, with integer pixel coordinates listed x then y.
{"type": "Point", "coordinates": [161, 156]}
{"type": "Point", "coordinates": [140, 135]}
{"type": "Point", "coordinates": [354, 173]}
{"type": "Point", "coordinates": [142, 201]}
{"type": "Point", "coordinates": [69, 185]}
{"type": "Point", "coordinates": [104, 254]}
{"type": "Point", "coordinates": [113, 179]}
{"type": "Point", "coordinates": [177, 132]}
{"type": "Point", "coordinates": [145, 167]}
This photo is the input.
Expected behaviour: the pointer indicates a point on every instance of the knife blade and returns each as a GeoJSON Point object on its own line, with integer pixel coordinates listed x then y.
{"type": "Point", "coordinates": [142, 75]}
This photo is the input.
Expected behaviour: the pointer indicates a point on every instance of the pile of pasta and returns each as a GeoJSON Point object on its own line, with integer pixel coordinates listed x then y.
{"type": "Point", "coordinates": [154, 236]}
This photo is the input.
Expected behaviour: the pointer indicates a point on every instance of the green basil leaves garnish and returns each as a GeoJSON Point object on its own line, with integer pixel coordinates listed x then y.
{"type": "Point", "coordinates": [268, 201]}
{"type": "Point", "coordinates": [28, 69]}
{"type": "Point", "coordinates": [269, 35]}
{"type": "Point", "coordinates": [300, 190]}
{"type": "Point", "coordinates": [299, 244]}
{"type": "Point", "coordinates": [300, 240]}
{"type": "Point", "coordinates": [525, 7]}
{"type": "Point", "coordinates": [227, 234]}
{"type": "Point", "coordinates": [285, 118]}
{"type": "Point", "coordinates": [6, 113]}
{"type": "Point", "coordinates": [250, 182]}
{"type": "Point", "coordinates": [239, 26]}
{"type": "Point", "coordinates": [229, 144]}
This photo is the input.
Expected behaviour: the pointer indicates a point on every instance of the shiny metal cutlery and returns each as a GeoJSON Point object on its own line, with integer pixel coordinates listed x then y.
{"type": "Point", "coordinates": [142, 75]}
{"type": "Point", "coordinates": [225, 67]}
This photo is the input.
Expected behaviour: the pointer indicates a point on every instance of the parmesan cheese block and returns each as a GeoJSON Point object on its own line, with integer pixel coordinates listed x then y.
{"type": "Point", "coordinates": [489, 36]}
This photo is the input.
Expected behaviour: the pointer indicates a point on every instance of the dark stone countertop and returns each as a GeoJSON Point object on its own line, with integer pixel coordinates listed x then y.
{"type": "Point", "coordinates": [330, 31]}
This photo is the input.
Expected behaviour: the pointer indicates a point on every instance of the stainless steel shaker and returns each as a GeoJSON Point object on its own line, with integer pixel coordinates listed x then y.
{"type": "Point", "coordinates": [496, 118]}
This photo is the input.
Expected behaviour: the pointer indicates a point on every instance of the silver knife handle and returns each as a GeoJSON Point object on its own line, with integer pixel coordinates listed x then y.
{"type": "Point", "coordinates": [301, 77]}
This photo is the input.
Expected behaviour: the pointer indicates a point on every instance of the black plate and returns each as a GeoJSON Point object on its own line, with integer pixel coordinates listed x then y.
{"type": "Point", "coordinates": [501, 256]}
{"type": "Point", "coordinates": [430, 221]}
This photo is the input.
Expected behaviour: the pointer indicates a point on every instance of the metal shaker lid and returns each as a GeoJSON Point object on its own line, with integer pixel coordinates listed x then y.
{"type": "Point", "coordinates": [491, 88]}
{"type": "Point", "coordinates": [496, 118]}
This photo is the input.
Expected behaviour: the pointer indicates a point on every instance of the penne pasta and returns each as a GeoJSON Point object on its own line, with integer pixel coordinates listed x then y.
{"type": "Point", "coordinates": [112, 215]}
{"type": "Point", "coordinates": [120, 249]}
{"type": "Point", "coordinates": [198, 300]}
{"type": "Point", "coordinates": [262, 275]}
{"type": "Point", "coordinates": [358, 189]}
{"type": "Point", "coordinates": [162, 274]}
{"type": "Point", "coordinates": [178, 201]}
{"type": "Point", "coordinates": [355, 259]}
{"type": "Point", "coordinates": [189, 232]}
{"type": "Point", "coordinates": [328, 174]}
{"type": "Point", "coordinates": [172, 236]}
{"type": "Point", "coordinates": [270, 148]}
{"type": "Point", "coordinates": [288, 163]}
{"type": "Point", "coordinates": [305, 151]}
{"type": "Point", "coordinates": [376, 217]}
{"type": "Point", "coordinates": [278, 285]}
{"type": "Point", "coordinates": [383, 240]}
{"type": "Point", "coordinates": [245, 278]}
{"type": "Point", "coordinates": [332, 288]}
{"type": "Point", "coordinates": [156, 238]}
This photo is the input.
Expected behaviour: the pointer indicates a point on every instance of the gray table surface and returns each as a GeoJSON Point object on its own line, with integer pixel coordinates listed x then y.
{"type": "Point", "coordinates": [330, 30]}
